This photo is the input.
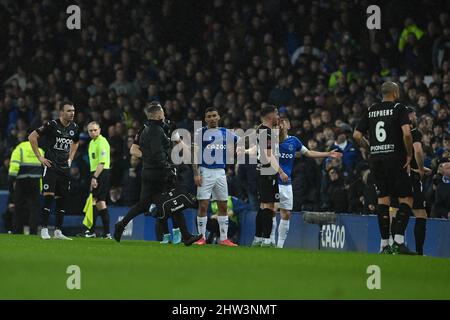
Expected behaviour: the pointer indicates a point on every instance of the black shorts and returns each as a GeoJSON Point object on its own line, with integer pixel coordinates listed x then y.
{"type": "Point", "coordinates": [268, 189]}
{"type": "Point", "coordinates": [390, 179]}
{"type": "Point", "coordinates": [418, 194]}
{"type": "Point", "coordinates": [57, 182]}
{"type": "Point", "coordinates": [101, 192]}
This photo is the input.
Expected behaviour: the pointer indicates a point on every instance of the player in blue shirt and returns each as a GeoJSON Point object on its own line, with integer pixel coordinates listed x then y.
{"type": "Point", "coordinates": [211, 151]}
{"type": "Point", "coordinates": [290, 148]}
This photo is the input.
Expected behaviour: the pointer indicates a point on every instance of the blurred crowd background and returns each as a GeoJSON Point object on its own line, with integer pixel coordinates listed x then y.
{"type": "Point", "coordinates": [315, 60]}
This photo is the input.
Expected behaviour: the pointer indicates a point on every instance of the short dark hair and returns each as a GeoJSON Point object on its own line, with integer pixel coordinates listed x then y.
{"type": "Point", "coordinates": [65, 103]}
{"type": "Point", "coordinates": [152, 108]}
{"type": "Point", "coordinates": [211, 109]}
{"type": "Point", "coordinates": [268, 109]}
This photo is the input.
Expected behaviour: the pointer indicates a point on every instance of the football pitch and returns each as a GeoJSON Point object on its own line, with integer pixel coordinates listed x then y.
{"type": "Point", "coordinates": [31, 268]}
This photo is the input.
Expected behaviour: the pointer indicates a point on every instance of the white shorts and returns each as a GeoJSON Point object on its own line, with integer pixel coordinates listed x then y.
{"type": "Point", "coordinates": [286, 196]}
{"type": "Point", "coordinates": [214, 182]}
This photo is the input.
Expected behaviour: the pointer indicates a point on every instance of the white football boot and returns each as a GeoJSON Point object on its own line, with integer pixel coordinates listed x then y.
{"type": "Point", "coordinates": [58, 235]}
{"type": "Point", "coordinates": [44, 234]}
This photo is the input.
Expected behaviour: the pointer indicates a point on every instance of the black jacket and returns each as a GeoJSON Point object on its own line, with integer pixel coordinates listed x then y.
{"type": "Point", "coordinates": [442, 203]}
{"type": "Point", "coordinates": [155, 146]}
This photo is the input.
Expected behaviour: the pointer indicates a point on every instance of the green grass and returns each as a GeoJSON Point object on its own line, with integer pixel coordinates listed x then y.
{"type": "Point", "coordinates": [31, 268]}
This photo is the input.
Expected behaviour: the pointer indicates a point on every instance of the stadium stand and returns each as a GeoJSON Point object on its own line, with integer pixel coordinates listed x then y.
{"type": "Point", "coordinates": [311, 58]}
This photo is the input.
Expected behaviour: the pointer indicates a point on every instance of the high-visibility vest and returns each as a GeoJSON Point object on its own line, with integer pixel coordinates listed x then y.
{"type": "Point", "coordinates": [24, 163]}
{"type": "Point", "coordinates": [404, 35]}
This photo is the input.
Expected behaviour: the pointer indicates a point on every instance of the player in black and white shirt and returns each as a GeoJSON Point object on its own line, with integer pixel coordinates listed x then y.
{"type": "Point", "coordinates": [60, 138]}
{"type": "Point", "coordinates": [390, 150]}
{"type": "Point", "coordinates": [418, 170]}
{"type": "Point", "coordinates": [268, 168]}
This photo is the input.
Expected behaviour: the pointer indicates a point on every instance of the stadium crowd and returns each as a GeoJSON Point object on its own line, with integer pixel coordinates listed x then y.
{"type": "Point", "coordinates": [316, 60]}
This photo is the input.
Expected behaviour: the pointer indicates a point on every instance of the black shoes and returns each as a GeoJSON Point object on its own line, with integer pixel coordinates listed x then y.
{"type": "Point", "coordinates": [386, 250]}
{"type": "Point", "coordinates": [118, 230]}
{"type": "Point", "coordinates": [402, 249]}
{"type": "Point", "coordinates": [192, 239]}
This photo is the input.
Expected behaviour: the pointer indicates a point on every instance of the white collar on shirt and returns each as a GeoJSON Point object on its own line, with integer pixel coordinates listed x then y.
{"type": "Point", "coordinates": [342, 145]}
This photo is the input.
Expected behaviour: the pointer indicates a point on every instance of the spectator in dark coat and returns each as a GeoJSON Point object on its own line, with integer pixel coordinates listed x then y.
{"type": "Point", "coordinates": [337, 199]}
{"type": "Point", "coordinates": [350, 154]}
{"type": "Point", "coordinates": [442, 203]}
{"type": "Point", "coordinates": [131, 183]}
{"type": "Point", "coordinates": [306, 184]}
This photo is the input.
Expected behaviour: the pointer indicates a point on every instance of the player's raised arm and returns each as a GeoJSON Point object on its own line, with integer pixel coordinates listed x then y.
{"type": "Point", "coordinates": [317, 154]}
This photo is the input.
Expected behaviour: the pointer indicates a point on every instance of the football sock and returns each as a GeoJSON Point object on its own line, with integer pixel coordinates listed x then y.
{"type": "Point", "coordinates": [201, 225]}
{"type": "Point", "coordinates": [398, 238]}
{"type": "Point", "coordinates": [46, 210]}
{"type": "Point", "coordinates": [267, 223]}
{"type": "Point", "coordinates": [383, 220]}
{"type": "Point", "coordinates": [259, 223]}
{"type": "Point", "coordinates": [283, 230]}
{"type": "Point", "coordinates": [383, 243]}
{"type": "Point", "coordinates": [400, 222]}
{"type": "Point", "coordinates": [94, 222]}
{"type": "Point", "coordinates": [274, 229]}
{"type": "Point", "coordinates": [223, 227]}
{"type": "Point", "coordinates": [60, 212]}
{"type": "Point", "coordinates": [105, 220]}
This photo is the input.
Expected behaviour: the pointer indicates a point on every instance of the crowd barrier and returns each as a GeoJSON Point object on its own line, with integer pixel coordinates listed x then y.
{"type": "Point", "coordinates": [349, 233]}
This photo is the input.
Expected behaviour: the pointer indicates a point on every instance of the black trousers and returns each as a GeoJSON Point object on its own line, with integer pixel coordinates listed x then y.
{"type": "Point", "coordinates": [27, 205]}
{"type": "Point", "coordinates": [153, 183]}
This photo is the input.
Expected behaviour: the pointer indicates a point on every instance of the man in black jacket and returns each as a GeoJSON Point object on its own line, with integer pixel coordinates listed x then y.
{"type": "Point", "coordinates": [153, 146]}
{"type": "Point", "coordinates": [442, 204]}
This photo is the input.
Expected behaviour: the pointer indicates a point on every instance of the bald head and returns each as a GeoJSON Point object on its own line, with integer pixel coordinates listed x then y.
{"type": "Point", "coordinates": [390, 91]}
